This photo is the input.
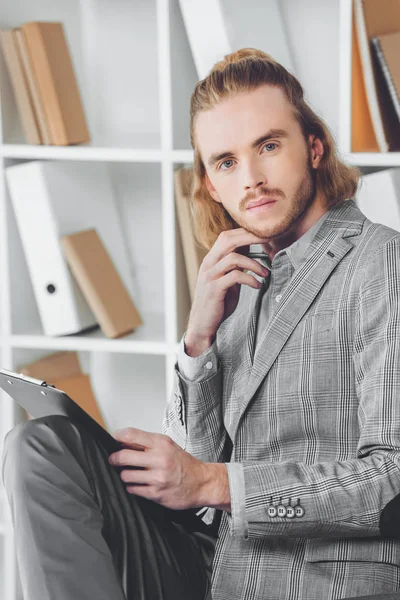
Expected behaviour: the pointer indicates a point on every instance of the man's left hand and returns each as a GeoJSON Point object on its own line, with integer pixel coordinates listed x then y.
{"type": "Point", "coordinates": [167, 474]}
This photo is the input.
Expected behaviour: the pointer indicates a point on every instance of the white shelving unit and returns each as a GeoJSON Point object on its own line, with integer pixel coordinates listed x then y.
{"type": "Point", "coordinates": [136, 74]}
{"type": "Point", "coordinates": [121, 53]}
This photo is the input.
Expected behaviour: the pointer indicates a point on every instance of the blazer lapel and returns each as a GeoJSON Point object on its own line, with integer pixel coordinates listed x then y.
{"type": "Point", "coordinates": [328, 248]}
{"type": "Point", "coordinates": [244, 333]}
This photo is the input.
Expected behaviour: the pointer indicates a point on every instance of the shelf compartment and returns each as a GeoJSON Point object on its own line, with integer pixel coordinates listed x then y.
{"type": "Point", "coordinates": [119, 86]}
{"type": "Point", "coordinates": [130, 389]}
{"type": "Point", "coordinates": [137, 192]}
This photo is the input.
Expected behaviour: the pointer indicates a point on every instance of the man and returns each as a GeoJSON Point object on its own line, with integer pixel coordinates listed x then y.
{"type": "Point", "coordinates": [284, 414]}
{"type": "Point", "coordinates": [297, 389]}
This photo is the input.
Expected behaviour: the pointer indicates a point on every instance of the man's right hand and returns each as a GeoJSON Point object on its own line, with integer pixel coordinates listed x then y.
{"type": "Point", "coordinates": [217, 291]}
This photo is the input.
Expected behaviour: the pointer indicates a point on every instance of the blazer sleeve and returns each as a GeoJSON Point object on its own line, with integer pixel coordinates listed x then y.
{"type": "Point", "coordinates": [200, 367]}
{"type": "Point", "coordinates": [193, 416]}
{"type": "Point", "coordinates": [344, 498]}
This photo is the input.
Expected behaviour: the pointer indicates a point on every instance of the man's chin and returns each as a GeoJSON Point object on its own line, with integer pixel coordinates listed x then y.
{"type": "Point", "coordinates": [273, 232]}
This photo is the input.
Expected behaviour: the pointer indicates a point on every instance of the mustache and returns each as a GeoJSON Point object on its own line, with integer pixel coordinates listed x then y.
{"type": "Point", "coordinates": [262, 192]}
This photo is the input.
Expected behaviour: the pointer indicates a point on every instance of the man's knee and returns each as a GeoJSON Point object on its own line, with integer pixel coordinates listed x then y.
{"type": "Point", "coordinates": [25, 442]}
{"type": "Point", "coordinates": [23, 434]}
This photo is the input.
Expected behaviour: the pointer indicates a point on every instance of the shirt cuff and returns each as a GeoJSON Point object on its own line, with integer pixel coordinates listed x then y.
{"type": "Point", "coordinates": [237, 520]}
{"type": "Point", "coordinates": [198, 368]}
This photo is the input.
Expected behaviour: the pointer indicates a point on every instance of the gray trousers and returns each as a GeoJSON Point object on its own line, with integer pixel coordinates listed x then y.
{"type": "Point", "coordinates": [80, 535]}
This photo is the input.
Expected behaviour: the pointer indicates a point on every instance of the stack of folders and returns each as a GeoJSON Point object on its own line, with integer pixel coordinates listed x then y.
{"type": "Point", "coordinates": [71, 235]}
{"type": "Point", "coordinates": [376, 76]}
{"type": "Point", "coordinates": [63, 370]}
{"type": "Point", "coordinates": [43, 80]}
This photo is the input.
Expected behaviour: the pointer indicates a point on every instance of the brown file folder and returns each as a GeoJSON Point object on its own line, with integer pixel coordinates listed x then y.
{"type": "Point", "coordinates": [100, 283]}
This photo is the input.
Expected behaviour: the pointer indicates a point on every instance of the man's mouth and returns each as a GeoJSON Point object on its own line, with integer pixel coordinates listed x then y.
{"type": "Point", "coordinates": [260, 204]}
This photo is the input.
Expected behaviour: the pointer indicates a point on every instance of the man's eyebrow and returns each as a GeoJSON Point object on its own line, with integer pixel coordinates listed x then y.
{"type": "Point", "coordinates": [272, 133]}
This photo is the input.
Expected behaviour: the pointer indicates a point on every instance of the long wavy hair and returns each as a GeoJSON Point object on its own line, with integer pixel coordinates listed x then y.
{"type": "Point", "coordinates": [243, 71]}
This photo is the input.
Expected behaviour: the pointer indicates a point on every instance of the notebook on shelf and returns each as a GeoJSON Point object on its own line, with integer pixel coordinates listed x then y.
{"type": "Point", "coordinates": [387, 52]}
{"type": "Point", "coordinates": [363, 138]}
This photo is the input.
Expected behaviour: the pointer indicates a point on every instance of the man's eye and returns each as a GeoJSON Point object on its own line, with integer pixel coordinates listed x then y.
{"type": "Point", "coordinates": [224, 163]}
{"type": "Point", "coordinates": [231, 161]}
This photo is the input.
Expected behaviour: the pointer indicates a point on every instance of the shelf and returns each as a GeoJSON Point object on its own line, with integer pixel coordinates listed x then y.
{"type": "Point", "coordinates": [81, 152]}
{"type": "Point", "coordinates": [182, 156]}
{"type": "Point", "coordinates": [96, 153]}
{"type": "Point", "coordinates": [148, 339]}
{"type": "Point", "coordinates": [142, 155]}
{"type": "Point", "coordinates": [88, 343]}
{"type": "Point", "coordinates": [373, 159]}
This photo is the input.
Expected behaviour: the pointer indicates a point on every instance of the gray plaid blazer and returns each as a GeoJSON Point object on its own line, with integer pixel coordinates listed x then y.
{"type": "Point", "coordinates": [315, 416]}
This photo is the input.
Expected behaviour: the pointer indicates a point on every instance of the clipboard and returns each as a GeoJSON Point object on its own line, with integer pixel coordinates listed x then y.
{"type": "Point", "coordinates": [42, 399]}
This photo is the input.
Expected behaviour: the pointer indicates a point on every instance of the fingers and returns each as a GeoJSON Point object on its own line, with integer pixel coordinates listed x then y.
{"type": "Point", "coordinates": [149, 492]}
{"type": "Point", "coordinates": [237, 261]}
{"type": "Point", "coordinates": [228, 241]}
{"type": "Point", "coordinates": [144, 449]}
{"type": "Point", "coordinates": [139, 490]}
{"type": "Point", "coordinates": [136, 477]}
{"type": "Point", "coordinates": [137, 439]}
{"type": "Point", "coordinates": [234, 277]}
{"type": "Point", "coordinates": [130, 458]}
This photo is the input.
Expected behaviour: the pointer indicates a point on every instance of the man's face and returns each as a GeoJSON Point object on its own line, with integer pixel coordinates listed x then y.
{"type": "Point", "coordinates": [253, 147]}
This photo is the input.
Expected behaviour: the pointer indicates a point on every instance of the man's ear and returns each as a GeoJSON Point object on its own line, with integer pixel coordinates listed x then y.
{"type": "Point", "coordinates": [316, 150]}
{"type": "Point", "coordinates": [211, 189]}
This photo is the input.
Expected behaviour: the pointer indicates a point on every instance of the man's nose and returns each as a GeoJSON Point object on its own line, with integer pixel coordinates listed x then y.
{"type": "Point", "coordinates": [253, 178]}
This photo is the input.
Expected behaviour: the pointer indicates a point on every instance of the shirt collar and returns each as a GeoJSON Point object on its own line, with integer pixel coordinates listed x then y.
{"type": "Point", "coordinates": [297, 250]}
